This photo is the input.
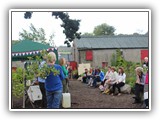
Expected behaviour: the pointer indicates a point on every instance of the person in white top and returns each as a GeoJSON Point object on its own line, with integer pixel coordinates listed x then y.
{"type": "Point", "coordinates": [111, 80]}
{"type": "Point", "coordinates": [113, 77]}
{"type": "Point", "coordinates": [120, 81]}
{"type": "Point", "coordinates": [107, 76]}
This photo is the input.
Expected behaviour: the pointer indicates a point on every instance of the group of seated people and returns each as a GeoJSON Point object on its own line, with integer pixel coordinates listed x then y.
{"type": "Point", "coordinates": [116, 79]}
{"type": "Point", "coordinates": [108, 80]}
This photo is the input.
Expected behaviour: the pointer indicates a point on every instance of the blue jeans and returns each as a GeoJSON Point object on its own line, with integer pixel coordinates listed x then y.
{"type": "Point", "coordinates": [97, 79]}
{"type": "Point", "coordinates": [54, 99]}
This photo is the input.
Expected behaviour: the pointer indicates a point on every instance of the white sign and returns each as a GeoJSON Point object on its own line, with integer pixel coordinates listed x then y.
{"type": "Point", "coordinates": [82, 67]}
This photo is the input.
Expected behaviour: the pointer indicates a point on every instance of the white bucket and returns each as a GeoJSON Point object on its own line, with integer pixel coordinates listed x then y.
{"type": "Point", "coordinates": [66, 100]}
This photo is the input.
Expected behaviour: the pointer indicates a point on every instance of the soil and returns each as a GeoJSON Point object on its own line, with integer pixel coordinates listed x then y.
{"type": "Point", "coordinates": [83, 96]}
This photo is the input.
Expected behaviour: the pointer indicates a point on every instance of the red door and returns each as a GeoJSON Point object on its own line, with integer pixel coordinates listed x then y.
{"type": "Point", "coordinates": [144, 53]}
{"type": "Point", "coordinates": [73, 64]}
{"type": "Point", "coordinates": [89, 55]}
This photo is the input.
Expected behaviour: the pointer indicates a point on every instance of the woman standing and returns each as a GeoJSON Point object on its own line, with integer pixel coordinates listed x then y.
{"type": "Point", "coordinates": [120, 80]}
{"type": "Point", "coordinates": [62, 63]}
{"type": "Point", "coordinates": [139, 85]}
{"type": "Point", "coordinates": [53, 83]}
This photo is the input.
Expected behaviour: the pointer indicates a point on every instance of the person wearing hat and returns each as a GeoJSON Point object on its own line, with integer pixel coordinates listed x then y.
{"type": "Point", "coordinates": [139, 85]}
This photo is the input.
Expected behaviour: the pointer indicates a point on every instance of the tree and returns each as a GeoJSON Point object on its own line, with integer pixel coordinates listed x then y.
{"type": "Point", "coordinates": [87, 34]}
{"type": "Point", "coordinates": [104, 29]}
{"type": "Point", "coordinates": [37, 35]}
{"type": "Point", "coordinates": [15, 42]}
{"type": "Point", "coordinates": [70, 26]}
{"type": "Point", "coordinates": [51, 40]}
{"type": "Point", "coordinates": [136, 34]}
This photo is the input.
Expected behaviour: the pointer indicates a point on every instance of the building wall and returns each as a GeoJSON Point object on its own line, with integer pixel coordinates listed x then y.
{"type": "Point", "coordinates": [17, 64]}
{"type": "Point", "coordinates": [68, 57]}
{"type": "Point", "coordinates": [99, 56]}
{"type": "Point", "coordinates": [133, 55]}
{"type": "Point", "coordinates": [105, 55]}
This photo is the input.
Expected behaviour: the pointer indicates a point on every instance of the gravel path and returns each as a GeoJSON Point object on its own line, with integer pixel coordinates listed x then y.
{"type": "Point", "coordinates": [83, 96]}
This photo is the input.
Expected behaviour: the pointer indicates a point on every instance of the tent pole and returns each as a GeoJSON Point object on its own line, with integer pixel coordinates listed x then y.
{"type": "Point", "coordinates": [24, 80]}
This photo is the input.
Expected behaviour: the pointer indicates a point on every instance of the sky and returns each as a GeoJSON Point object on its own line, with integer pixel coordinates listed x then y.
{"type": "Point", "coordinates": [124, 23]}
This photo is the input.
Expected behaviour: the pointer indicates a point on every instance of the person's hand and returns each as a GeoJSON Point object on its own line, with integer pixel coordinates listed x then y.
{"type": "Point", "coordinates": [137, 81]}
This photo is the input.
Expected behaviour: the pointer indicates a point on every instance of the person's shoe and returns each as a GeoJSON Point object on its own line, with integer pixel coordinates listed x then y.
{"type": "Point", "coordinates": [119, 94]}
{"type": "Point", "coordinates": [106, 91]}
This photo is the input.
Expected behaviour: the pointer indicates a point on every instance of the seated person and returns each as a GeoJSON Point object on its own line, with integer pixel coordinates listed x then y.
{"type": "Point", "coordinates": [85, 77]}
{"type": "Point", "coordinates": [111, 80]}
{"type": "Point", "coordinates": [98, 78]}
{"type": "Point", "coordinates": [120, 82]}
{"type": "Point", "coordinates": [106, 77]}
{"type": "Point", "coordinates": [92, 74]}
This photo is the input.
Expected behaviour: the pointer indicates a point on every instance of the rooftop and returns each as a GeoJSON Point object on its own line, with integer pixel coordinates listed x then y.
{"type": "Point", "coordinates": [113, 42]}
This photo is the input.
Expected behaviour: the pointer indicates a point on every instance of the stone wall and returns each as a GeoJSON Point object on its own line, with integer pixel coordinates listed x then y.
{"type": "Point", "coordinates": [105, 55]}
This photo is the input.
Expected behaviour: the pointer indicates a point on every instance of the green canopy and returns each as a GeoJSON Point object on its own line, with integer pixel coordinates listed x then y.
{"type": "Point", "coordinates": [26, 48]}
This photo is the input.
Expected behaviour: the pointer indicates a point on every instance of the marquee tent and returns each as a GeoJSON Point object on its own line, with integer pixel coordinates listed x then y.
{"type": "Point", "coordinates": [27, 48]}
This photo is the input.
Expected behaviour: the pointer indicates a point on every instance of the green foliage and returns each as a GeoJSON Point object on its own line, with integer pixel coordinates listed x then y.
{"type": "Point", "coordinates": [44, 71]}
{"type": "Point", "coordinates": [37, 35]}
{"type": "Point", "coordinates": [51, 40]}
{"type": "Point", "coordinates": [30, 73]}
{"type": "Point", "coordinates": [17, 82]}
{"type": "Point", "coordinates": [104, 70]}
{"type": "Point", "coordinates": [75, 72]}
{"type": "Point", "coordinates": [113, 60]}
{"type": "Point", "coordinates": [70, 26]}
{"type": "Point", "coordinates": [131, 81]}
{"type": "Point", "coordinates": [129, 67]}
{"type": "Point", "coordinates": [104, 29]}
{"type": "Point", "coordinates": [87, 34]}
{"type": "Point", "coordinates": [15, 42]}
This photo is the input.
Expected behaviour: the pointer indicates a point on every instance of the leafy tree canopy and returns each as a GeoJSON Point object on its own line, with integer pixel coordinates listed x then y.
{"type": "Point", "coordinates": [37, 35]}
{"type": "Point", "coordinates": [70, 26]}
{"type": "Point", "coordinates": [104, 29]}
{"type": "Point", "coordinates": [88, 34]}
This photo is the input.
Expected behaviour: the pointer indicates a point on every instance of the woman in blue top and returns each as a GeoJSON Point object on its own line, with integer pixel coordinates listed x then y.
{"type": "Point", "coordinates": [98, 77]}
{"type": "Point", "coordinates": [53, 83]}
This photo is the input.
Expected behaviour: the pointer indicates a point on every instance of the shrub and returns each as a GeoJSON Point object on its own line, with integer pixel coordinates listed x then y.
{"type": "Point", "coordinates": [17, 82]}
{"type": "Point", "coordinates": [30, 73]}
{"type": "Point", "coordinates": [129, 67]}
